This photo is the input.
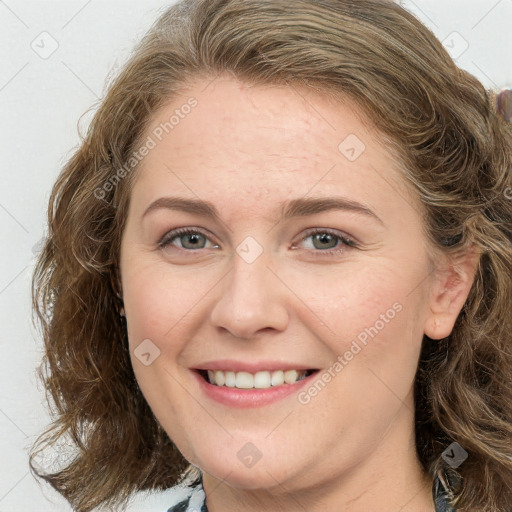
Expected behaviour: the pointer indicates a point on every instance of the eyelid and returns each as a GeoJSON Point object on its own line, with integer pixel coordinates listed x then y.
{"type": "Point", "coordinates": [347, 242]}
{"type": "Point", "coordinates": [177, 232]}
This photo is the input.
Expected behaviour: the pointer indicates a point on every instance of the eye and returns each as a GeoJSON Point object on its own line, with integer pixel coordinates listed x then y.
{"type": "Point", "coordinates": [328, 241]}
{"type": "Point", "coordinates": [325, 241]}
{"type": "Point", "coordinates": [189, 239]}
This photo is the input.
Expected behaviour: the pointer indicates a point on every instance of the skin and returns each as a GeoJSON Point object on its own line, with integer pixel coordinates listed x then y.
{"type": "Point", "coordinates": [246, 149]}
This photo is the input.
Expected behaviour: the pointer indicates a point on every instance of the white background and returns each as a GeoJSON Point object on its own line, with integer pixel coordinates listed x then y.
{"type": "Point", "coordinates": [41, 101]}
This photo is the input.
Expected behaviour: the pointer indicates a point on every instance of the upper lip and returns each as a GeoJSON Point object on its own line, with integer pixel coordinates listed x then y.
{"type": "Point", "coordinates": [250, 367]}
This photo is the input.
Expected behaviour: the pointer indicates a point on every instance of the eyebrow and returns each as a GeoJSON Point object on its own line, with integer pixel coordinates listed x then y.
{"type": "Point", "coordinates": [300, 207]}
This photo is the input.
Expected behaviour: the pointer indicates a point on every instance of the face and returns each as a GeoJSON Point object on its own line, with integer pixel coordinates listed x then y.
{"type": "Point", "coordinates": [309, 256]}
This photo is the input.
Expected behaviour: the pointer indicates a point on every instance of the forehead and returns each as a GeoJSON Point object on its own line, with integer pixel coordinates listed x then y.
{"type": "Point", "coordinates": [264, 142]}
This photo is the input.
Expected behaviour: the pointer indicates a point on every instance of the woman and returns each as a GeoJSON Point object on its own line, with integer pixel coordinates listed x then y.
{"type": "Point", "coordinates": [278, 271]}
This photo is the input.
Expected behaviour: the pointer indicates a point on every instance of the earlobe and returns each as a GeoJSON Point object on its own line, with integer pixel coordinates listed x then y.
{"type": "Point", "coordinates": [449, 291]}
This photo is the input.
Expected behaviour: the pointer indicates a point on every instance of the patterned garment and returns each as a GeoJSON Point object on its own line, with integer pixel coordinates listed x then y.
{"type": "Point", "coordinates": [193, 498]}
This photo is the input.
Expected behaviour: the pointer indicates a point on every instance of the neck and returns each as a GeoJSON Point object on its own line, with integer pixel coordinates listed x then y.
{"type": "Point", "coordinates": [388, 479]}
{"type": "Point", "coordinates": [404, 493]}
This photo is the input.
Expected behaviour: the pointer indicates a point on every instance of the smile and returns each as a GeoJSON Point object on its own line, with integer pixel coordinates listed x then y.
{"type": "Point", "coordinates": [243, 389]}
{"type": "Point", "coordinates": [258, 380]}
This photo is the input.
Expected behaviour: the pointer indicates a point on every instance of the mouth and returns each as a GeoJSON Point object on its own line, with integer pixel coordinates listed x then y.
{"type": "Point", "coordinates": [259, 380]}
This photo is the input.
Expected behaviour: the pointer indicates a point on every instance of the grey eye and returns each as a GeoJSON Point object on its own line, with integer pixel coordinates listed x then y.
{"type": "Point", "coordinates": [325, 241]}
{"type": "Point", "coordinates": [192, 241]}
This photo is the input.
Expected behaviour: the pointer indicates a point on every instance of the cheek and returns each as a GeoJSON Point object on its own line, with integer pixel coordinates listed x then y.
{"type": "Point", "coordinates": [386, 338]}
{"type": "Point", "coordinates": [158, 308]}
{"type": "Point", "coordinates": [359, 300]}
{"type": "Point", "coordinates": [373, 331]}
{"type": "Point", "coordinates": [159, 303]}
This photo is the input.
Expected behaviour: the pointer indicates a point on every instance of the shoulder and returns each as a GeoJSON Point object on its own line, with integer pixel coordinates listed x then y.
{"type": "Point", "coordinates": [441, 491]}
{"type": "Point", "coordinates": [188, 498]}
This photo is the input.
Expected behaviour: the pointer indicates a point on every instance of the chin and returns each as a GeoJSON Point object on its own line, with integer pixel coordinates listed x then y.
{"type": "Point", "coordinates": [262, 475]}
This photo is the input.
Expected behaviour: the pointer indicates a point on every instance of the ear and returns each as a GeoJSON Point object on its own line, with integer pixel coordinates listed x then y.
{"type": "Point", "coordinates": [450, 288]}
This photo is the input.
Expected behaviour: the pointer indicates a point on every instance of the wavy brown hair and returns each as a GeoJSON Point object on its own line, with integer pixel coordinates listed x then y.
{"type": "Point", "coordinates": [455, 152]}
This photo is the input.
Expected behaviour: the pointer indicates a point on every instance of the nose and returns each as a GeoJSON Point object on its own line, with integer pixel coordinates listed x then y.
{"type": "Point", "coordinates": [251, 300]}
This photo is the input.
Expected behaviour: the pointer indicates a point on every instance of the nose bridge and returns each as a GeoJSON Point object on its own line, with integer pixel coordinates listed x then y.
{"type": "Point", "coordinates": [250, 274]}
{"type": "Point", "coordinates": [251, 298]}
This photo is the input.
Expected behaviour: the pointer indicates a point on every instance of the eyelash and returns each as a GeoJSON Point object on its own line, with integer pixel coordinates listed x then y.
{"type": "Point", "coordinates": [346, 243]}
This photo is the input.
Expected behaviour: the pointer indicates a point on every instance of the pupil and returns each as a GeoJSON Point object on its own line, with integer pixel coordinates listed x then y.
{"type": "Point", "coordinates": [193, 239]}
{"type": "Point", "coordinates": [325, 238]}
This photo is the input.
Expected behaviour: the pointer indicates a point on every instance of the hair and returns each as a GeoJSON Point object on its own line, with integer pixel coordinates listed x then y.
{"type": "Point", "coordinates": [453, 148]}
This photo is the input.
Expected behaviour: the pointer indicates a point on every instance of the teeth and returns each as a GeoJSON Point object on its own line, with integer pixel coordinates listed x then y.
{"type": "Point", "coordinates": [290, 376]}
{"type": "Point", "coordinates": [258, 380]}
{"type": "Point", "coordinates": [219, 377]}
{"type": "Point", "coordinates": [229, 378]}
{"type": "Point", "coordinates": [244, 380]}
{"type": "Point", "coordinates": [262, 380]}
{"type": "Point", "coordinates": [278, 378]}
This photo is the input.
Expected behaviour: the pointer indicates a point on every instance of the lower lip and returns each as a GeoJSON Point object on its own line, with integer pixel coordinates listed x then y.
{"type": "Point", "coordinates": [244, 398]}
